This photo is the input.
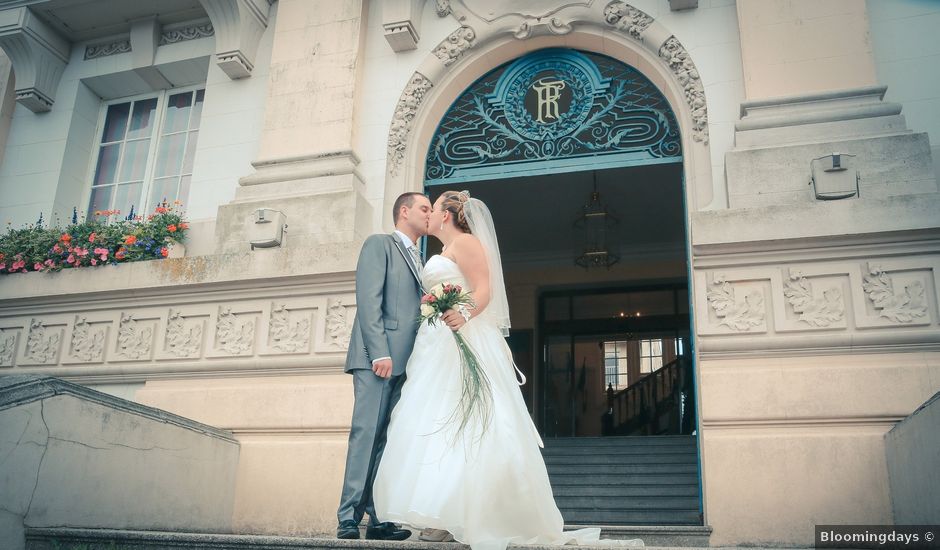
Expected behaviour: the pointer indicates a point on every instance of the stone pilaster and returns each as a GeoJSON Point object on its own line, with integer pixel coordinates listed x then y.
{"type": "Point", "coordinates": [306, 165]}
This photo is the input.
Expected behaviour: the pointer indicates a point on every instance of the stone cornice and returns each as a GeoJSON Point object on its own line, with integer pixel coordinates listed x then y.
{"type": "Point", "coordinates": [39, 56]}
{"type": "Point", "coordinates": [238, 26]}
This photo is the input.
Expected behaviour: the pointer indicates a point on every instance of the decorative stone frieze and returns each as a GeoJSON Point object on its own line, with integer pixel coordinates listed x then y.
{"type": "Point", "coordinates": [238, 26]}
{"type": "Point", "coordinates": [189, 32]}
{"type": "Point", "coordinates": [627, 19]}
{"type": "Point", "coordinates": [38, 54]}
{"type": "Point", "coordinates": [903, 305]}
{"type": "Point", "coordinates": [338, 325]}
{"type": "Point", "coordinates": [234, 335]}
{"type": "Point", "coordinates": [285, 334]}
{"type": "Point", "coordinates": [735, 313]}
{"type": "Point", "coordinates": [679, 61]}
{"type": "Point", "coordinates": [134, 341]}
{"type": "Point", "coordinates": [7, 347]}
{"type": "Point", "coordinates": [182, 339]}
{"type": "Point", "coordinates": [94, 51]}
{"type": "Point", "coordinates": [87, 342]}
{"type": "Point", "coordinates": [817, 311]}
{"type": "Point", "coordinates": [453, 47]}
{"type": "Point", "coordinates": [402, 120]}
{"type": "Point", "coordinates": [42, 346]}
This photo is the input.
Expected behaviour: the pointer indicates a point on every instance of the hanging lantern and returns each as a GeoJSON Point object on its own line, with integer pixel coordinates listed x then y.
{"type": "Point", "coordinates": [596, 226]}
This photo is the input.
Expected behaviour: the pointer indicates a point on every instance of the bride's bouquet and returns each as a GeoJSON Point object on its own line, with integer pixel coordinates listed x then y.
{"type": "Point", "coordinates": [476, 393]}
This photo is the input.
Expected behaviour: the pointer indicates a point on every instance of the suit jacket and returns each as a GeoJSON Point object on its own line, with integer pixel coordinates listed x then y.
{"type": "Point", "coordinates": [388, 302]}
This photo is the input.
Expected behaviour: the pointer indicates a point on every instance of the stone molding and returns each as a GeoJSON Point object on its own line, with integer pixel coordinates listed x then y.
{"type": "Point", "coordinates": [238, 26]}
{"type": "Point", "coordinates": [191, 31]}
{"type": "Point", "coordinates": [866, 299]}
{"type": "Point", "coordinates": [403, 119]}
{"type": "Point", "coordinates": [271, 329]}
{"type": "Point", "coordinates": [20, 389]}
{"type": "Point", "coordinates": [104, 49]}
{"type": "Point", "coordinates": [39, 56]}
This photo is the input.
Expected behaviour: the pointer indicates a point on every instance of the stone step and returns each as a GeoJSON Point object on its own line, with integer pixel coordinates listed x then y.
{"type": "Point", "coordinates": [613, 504]}
{"type": "Point", "coordinates": [618, 450]}
{"type": "Point", "coordinates": [679, 440]}
{"type": "Point", "coordinates": [558, 479]}
{"type": "Point", "coordinates": [666, 537]}
{"type": "Point", "coordinates": [626, 491]}
{"type": "Point", "coordinates": [618, 469]}
{"type": "Point", "coordinates": [631, 517]}
{"type": "Point", "coordinates": [637, 458]}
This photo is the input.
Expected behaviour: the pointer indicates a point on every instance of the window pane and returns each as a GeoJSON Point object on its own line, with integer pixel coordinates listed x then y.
{"type": "Point", "coordinates": [657, 347]}
{"type": "Point", "coordinates": [177, 112]}
{"type": "Point", "coordinates": [127, 195]}
{"type": "Point", "coordinates": [142, 119]}
{"type": "Point", "coordinates": [135, 160]}
{"type": "Point", "coordinates": [645, 364]}
{"type": "Point", "coordinates": [170, 155]}
{"type": "Point", "coordinates": [645, 348]}
{"type": "Point", "coordinates": [183, 193]}
{"type": "Point", "coordinates": [108, 157]}
{"type": "Point", "coordinates": [197, 110]}
{"type": "Point", "coordinates": [190, 153]}
{"type": "Point", "coordinates": [100, 200]}
{"type": "Point", "coordinates": [657, 363]}
{"type": "Point", "coordinates": [163, 189]}
{"type": "Point", "coordinates": [622, 349]}
{"type": "Point", "coordinates": [115, 122]}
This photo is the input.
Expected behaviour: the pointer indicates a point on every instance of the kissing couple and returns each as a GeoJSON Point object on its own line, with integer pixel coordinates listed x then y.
{"type": "Point", "coordinates": [453, 449]}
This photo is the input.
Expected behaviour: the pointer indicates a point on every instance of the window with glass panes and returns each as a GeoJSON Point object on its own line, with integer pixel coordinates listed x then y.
{"type": "Point", "coordinates": [145, 153]}
{"type": "Point", "coordinates": [651, 355]}
{"type": "Point", "coordinates": [615, 364]}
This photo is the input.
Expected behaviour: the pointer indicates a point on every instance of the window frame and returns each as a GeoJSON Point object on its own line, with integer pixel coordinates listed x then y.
{"type": "Point", "coordinates": [162, 97]}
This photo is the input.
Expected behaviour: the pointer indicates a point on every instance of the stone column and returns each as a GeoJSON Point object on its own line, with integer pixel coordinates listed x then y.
{"type": "Point", "coordinates": [306, 164]}
{"type": "Point", "coordinates": [804, 46]}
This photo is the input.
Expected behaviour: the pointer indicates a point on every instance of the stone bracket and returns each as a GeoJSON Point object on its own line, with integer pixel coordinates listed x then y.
{"type": "Point", "coordinates": [39, 57]}
{"type": "Point", "coordinates": [401, 20]}
{"type": "Point", "coordinates": [238, 26]}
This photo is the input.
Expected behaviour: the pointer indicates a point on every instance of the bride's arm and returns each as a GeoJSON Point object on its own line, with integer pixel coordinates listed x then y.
{"type": "Point", "coordinates": [471, 259]}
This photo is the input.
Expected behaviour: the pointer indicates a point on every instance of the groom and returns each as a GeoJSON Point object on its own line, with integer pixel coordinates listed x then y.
{"type": "Point", "coordinates": [388, 297]}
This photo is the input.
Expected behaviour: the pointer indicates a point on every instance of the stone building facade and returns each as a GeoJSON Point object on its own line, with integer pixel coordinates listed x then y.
{"type": "Point", "coordinates": [814, 323]}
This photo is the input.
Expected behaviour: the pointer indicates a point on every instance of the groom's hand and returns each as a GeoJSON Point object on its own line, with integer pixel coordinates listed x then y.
{"type": "Point", "coordinates": [382, 368]}
{"type": "Point", "coordinates": [453, 319]}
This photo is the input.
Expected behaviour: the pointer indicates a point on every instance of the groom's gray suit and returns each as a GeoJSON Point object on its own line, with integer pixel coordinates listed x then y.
{"type": "Point", "coordinates": [388, 300]}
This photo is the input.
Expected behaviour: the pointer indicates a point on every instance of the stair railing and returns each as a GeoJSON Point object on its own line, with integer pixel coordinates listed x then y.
{"type": "Point", "coordinates": [637, 409]}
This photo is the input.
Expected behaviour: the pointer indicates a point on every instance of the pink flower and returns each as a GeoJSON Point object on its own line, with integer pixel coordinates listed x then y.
{"type": "Point", "coordinates": [48, 263]}
{"type": "Point", "coordinates": [71, 258]}
{"type": "Point", "coordinates": [57, 249]}
{"type": "Point", "coordinates": [81, 252]}
{"type": "Point", "coordinates": [94, 261]}
{"type": "Point", "coordinates": [3, 266]}
{"type": "Point", "coordinates": [19, 264]}
{"type": "Point", "coordinates": [37, 266]}
{"type": "Point", "coordinates": [102, 252]}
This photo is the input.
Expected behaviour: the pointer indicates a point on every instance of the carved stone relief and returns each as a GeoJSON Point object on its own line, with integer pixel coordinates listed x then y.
{"type": "Point", "coordinates": [134, 341]}
{"type": "Point", "coordinates": [443, 8]}
{"type": "Point", "coordinates": [338, 327]}
{"type": "Point", "coordinates": [182, 339]}
{"type": "Point", "coordinates": [897, 305]}
{"type": "Point", "coordinates": [191, 32]}
{"type": "Point", "coordinates": [87, 343]}
{"type": "Point", "coordinates": [233, 335]}
{"type": "Point", "coordinates": [453, 47]}
{"type": "Point", "coordinates": [404, 116]}
{"type": "Point", "coordinates": [285, 335]}
{"type": "Point", "coordinates": [738, 315]}
{"type": "Point", "coordinates": [627, 19]}
{"type": "Point", "coordinates": [110, 48]}
{"type": "Point", "coordinates": [40, 347]}
{"type": "Point", "coordinates": [678, 60]}
{"type": "Point", "coordinates": [7, 348]}
{"type": "Point", "coordinates": [817, 311]}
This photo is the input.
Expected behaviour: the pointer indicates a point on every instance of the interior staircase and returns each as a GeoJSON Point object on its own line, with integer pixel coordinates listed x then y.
{"type": "Point", "coordinates": [625, 481]}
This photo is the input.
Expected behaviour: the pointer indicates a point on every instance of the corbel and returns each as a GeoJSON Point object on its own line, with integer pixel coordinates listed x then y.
{"type": "Point", "coordinates": [238, 26]}
{"type": "Point", "coordinates": [39, 56]}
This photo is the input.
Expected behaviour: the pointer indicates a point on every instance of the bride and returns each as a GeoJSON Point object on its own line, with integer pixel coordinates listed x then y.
{"type": "Point", "coordinates": [482, 480]}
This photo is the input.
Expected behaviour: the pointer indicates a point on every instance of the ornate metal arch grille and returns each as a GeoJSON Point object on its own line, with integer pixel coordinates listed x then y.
{"type": "Point", "coordinates": [554, 110]}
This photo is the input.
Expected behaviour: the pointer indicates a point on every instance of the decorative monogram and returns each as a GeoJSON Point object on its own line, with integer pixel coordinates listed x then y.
{"type": "Point", "coordinates": [736, 315]}
{"type": "Point", "coordinates": [818, 312]}
{"type": "Point", "coordinates": [899, 306]}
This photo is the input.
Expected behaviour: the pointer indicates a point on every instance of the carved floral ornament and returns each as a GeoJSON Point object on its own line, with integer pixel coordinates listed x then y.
{"type": "Point", "coordinates": [821, 311]}
{"type": "Point", "coordinates": [403, 119]}
{"type": "Point", "coordinates": [738, 315]}
{"type": "Point", "coordinates": [902, 306]}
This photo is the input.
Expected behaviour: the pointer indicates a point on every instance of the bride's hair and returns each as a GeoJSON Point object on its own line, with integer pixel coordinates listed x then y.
{"type": "Point", "coordinates": [453, 202]}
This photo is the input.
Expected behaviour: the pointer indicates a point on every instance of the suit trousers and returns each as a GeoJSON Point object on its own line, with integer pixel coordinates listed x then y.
{"type": "Point", "coordinates": [375, 397]}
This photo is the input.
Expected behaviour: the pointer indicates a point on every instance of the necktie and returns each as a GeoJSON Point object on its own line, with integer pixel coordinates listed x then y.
{"type": "Point", "coordinates": [416, 256]}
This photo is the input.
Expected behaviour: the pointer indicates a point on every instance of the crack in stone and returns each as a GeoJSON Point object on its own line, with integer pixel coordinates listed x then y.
{"type": "Point", "coordinates": [42, 416]}
{"type": "Point", "coordinates": [20, 440]}
{"type": "Point", "coordinates": [112, 445]}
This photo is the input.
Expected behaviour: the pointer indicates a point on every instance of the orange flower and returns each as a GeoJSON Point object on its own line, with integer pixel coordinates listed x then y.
{"type": "Point", "coordinates": [184, 225]}
{"type": "Point", "coordinates": [164, 252]}
{"type": "Point", "coordinates": [120, 253]}
{"type": "Point", "coordinates": [171, 228]}
{"type": "Point", "coordinates": [160, 210]}
{"type": "Point", "coordinates": [129, 239]}
{"type": "Point", "coordinates": [66, 238]}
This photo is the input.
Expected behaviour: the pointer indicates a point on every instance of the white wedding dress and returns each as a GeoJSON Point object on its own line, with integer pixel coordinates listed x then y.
{"type": "Point", "coordinates": [489, 488]}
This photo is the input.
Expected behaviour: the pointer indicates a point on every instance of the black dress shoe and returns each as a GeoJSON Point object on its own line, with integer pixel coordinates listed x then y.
{"type": "Point", "coordinates": [387, 531]}
{"type": "Point", "coordinates": [348, 529]}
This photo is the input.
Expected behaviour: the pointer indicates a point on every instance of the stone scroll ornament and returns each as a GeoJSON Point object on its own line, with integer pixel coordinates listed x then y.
{"type": "Point", "coordinates": [818, 312]}
{"type": "Point", "coordinates": [742, 315]}
{"type": "Point", "coordinates": [900, 306]}
{"type": "Point", "coordinates": [403, 118]}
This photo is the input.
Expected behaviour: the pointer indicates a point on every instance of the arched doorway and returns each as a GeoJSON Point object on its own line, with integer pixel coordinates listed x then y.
{"type": "Point", "coordinates": [553, 142]}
